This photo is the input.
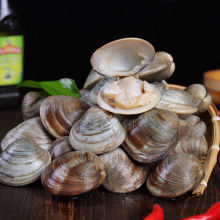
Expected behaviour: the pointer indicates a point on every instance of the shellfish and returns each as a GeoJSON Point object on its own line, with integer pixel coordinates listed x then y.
{"type": "Point", "coordinates": [97, 131]}
{"type": "Point", "coordinates": [73, 173]}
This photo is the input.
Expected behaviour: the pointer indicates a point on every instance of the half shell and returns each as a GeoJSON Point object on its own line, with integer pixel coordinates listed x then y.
{"type": "Point", "coordinates": [161, 68]}
{"type": "Point", "coordinates": [59, 113]}
{"type": "Point", "coordinates": [122, 57]}
{"type": "Point", "coordinates": [32, 129]}
{"type": "Point", "coordinates": [174, 176]}
{"type": "Point", "coordinates": [22, 162]}
{"type": "Point", "coordinates": [122, 175]}
{"type": "Point", "coordinates": [73, 173]}
{"type": "Point", "coordinates": [97, 131]}
{"type": "Point", "coordinates": [128, 96]}
{"type": "Point", "coordinates": [151, 136]}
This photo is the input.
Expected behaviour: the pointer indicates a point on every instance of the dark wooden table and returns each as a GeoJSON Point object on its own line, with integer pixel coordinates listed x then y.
{"type": "Point", "coordinates": [32, 202]}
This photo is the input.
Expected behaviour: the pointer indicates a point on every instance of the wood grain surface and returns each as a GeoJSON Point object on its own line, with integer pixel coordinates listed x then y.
{"type": "Point", "coordinates": [32, 202]}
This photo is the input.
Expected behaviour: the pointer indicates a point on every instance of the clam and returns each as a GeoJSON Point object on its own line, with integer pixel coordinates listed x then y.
{"type": "Point", "coordinates": [178, 101]}
{"type": "Point", "coordinates": [21, 162]}
{"type": "Point", "coordinates": [196, 122]}
{"type": "Point", "coordinates": [191, 140]}
{"type": "Point", "coordinates": [162, 85]}
{"type": "Point", "coordinates": [162, 67]}
{"type": "Point", "coordinates": [97, 131]}
{"type": "Point", "coordinates": [85, 97]}
{"type": "Point", "coordinates": [122, 57]}
{"type": "Point", "coordinates": [60, 146]}
{"type": "Point", "coordinates": [174, 176]}
{"type": "Point", "coordinates": [73, 173]}
{"type": "Point", "coordinates": [128, 96]}
{"type": "Point", "coordinates": [59, 113]}
{"type": "Point", "coordinates": [31, 104]}
{"type": "Point", "coordinates": [92, 79]}
{"type": "Point", "coordinates": [122, 174]}
{"type": "Point", "coordinates": [32, 129]}
{"type": "Point", "coordinates": [150, 136]}
{"type": "Point", "coordinates": [201, 97]}
{"type": "Point", "coordinates": [95, 90]}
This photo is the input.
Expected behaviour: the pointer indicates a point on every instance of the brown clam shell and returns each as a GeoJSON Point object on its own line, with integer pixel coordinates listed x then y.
{"type": "Point", "coordinates": [151, 136]}
{"type": "Point", "coordinates": [73, 173]}
{"type": "Point", "coordinates": [174, 176]}
{"type": "Point", "coordinates": [59, 113]}
{"type": "Point", "coordinates": [122, 174]}
{"type": "Point", "coordinates": [60, 146]}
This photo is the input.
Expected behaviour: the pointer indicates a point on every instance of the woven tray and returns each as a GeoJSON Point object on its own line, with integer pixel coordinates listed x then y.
{"type": "Point", "coordinates": [211, 119]}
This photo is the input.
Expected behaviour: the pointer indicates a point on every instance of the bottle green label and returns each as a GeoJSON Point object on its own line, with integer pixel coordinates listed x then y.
{"type": "Point", "coordinates": [11, 60]}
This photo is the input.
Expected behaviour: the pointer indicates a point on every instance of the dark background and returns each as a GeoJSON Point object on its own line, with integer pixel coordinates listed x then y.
{"type": "Point", "coordinates": [60, 36]}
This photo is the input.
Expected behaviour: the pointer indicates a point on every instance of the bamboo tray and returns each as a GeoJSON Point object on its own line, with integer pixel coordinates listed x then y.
{"type": "Point", "coordinates": [212, 121]}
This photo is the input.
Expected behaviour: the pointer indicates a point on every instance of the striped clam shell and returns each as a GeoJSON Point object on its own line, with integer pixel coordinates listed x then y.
{"type": "Point", "coordinates": [32, 129]}
{"type": "Point", "coordinates": [122, 174]}
{"type": "Point", "coordinates": [174, 176]}
{"type": "Point", "coordinates": [22, 162]}
{"type": "Point", "coordinates": [151, 135]}
{"type": "Point", "coordinates": [73, 173]}
{"type": "Point", "coordinates": [97, 131]}
{"type": "Point", "coordinates": [59, 113]}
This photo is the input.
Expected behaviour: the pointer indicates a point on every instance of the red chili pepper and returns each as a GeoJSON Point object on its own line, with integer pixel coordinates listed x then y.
{"type": "Point", "coordinates": [156, 214]}
{"type": "Point", "coordinates": [211, 214]}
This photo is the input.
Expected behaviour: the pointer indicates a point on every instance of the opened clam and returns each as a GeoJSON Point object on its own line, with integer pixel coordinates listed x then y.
{"type": "Point", "coordinates": [73, 173]}
{"type": "Point", "coordinates": [150, 136]}
{"type": "Point", "coordinates": [59, 113]}
{"type": "Point", "coordinates": [122, 174]}
{"type": "Point", "coordinates": [97, 131]}
{"type": "Point", "coordinates": [21, 162]}
{"type": "Point", "coordinates": [174, 176]}
{"type": "Point", "coordinates": [32, 129]}
{"type": "Point", "coordinates": [128, 96]}
{"type": "Point", "coordinates": [122, 57]}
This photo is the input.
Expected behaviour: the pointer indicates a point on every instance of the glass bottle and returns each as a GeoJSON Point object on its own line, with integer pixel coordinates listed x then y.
{"type": "Point", "coordinates": [11, 56]}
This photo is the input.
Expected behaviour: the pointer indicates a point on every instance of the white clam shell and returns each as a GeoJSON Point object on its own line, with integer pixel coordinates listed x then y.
{"type": "Point", "coordinates": [97, 132]}
{"type": "Point", "coordinates": [122, 57]}
{"type": "Point", "coordinates": [22, 162]}
{"type": "Point", "coordinates": [33, 129]}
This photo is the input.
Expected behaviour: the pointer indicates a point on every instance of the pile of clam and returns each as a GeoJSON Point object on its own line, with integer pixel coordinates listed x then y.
{"type": "Point", "coordinates": [127, 129]}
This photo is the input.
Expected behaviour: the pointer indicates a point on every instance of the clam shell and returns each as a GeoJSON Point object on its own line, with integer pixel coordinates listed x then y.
{"type": "Point", "coordinates": [191, 140]}
{"type": "Point", "coordinates": [92, 79]}
{"type": "Point", "coordinates": [32, 129]}
{"type": "Point", "coordinates": [31, 104]}
{"type": "Point", "coordinates": [122, 175]}
{"type": "Point", "coordinates": [21, 163]}
{"type": "Point", "coordinates": [59, 113]}
{"type": "Point", "coordinates": [151, 136]}
{"type": "Point", "coordinates": [162, 67]}
{"type": "Point", "coordinates": [201, 98]}
{"type": "Point", "coordinates": [122, 57]}
{"type": "Point", "coordinates": [174, 176]}
{"type": "Point", "coordinates": [73, 173]}
{"type": "Point", "coordinates": [97, 131]}
{"type": "Point", "coordinates": [153, 99]}
{"type": "Point", "coordinates": [60, 146]}
{"type": "Point", "coordinates": [178, 101]}
{"type": "Point", "coordinates": [95, 90]}
{"type": "Point", "coordinates": [85, 97]}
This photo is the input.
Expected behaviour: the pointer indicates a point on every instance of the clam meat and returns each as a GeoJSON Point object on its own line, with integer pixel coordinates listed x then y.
{"type": "Point", "coordinates": [128, 96]}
